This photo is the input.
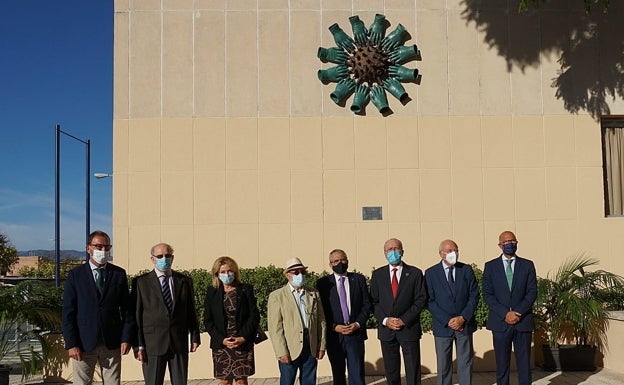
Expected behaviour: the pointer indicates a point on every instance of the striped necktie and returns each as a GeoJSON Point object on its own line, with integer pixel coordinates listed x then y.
{"type": "Point", "coordinates": [166, 291]}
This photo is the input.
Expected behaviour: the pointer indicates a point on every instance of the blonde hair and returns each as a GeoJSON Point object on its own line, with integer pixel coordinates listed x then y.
{"type": "Point", "coordinates": [216, 282]}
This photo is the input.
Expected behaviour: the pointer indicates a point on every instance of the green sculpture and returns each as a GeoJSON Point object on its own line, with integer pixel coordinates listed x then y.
{"type": "Point", "coordinates": [396, 89]}
{"type": "Point", "coordinates": [402, 73]}
{"type": "Point", "coordinates": [360, 98]}
{"type": "Point", "coordinates": [333, 55]}
{"type": "Point", "coordinates": [342, 40]}
{"type": "Point", "coordinates": [403, 54]}
{"type": "Point", "coordinates": [379, 99]}
{"type": "Point", "coordinates": [359, 30]}
{"type": "Point", "coordinates": [369, 64]}
{"type": "Point", "coordinates": [333, 74]}
{"type": "Point", "coordinates": [377, 30]}
{"type": "Point", "coordinates": [343, 89]}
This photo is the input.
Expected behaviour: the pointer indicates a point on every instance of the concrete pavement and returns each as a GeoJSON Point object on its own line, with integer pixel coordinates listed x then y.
{"type": "Point", "coordinates": [540, 377]}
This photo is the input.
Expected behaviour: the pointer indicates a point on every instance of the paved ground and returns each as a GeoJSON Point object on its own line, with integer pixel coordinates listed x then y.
{"type": "Point", "coordinates": [599, 377]}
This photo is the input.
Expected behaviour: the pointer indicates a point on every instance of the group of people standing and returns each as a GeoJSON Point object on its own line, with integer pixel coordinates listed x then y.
{"type": "Point", "coordinates": [158, 321]}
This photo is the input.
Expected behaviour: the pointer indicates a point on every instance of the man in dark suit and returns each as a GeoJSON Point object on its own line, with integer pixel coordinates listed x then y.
{"type": "Point", "coordinates": [95, 326]}
{"type": "Point", "coordinates": [399, 296]}
{"type": "Point", "coordinates": [453, 295]}
{"type": "Point", "coordinates": [509, 289]}
{"type": "Point", "coordinates": [346, 305]}
{"type": "Point", "coordinates": [165, 317]}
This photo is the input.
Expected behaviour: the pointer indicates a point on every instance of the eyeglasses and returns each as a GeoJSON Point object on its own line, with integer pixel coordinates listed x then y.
{"type": "Point", "coordinates": [510, 242]}
{"type": "Point", "coordinates": [102, 247]}
{"type": "Point", "coordinates": [163, 255]}
{"type": "Point", "coordinates": [296, 272]}
{"type": "Point", "coordinates": [337, 261]}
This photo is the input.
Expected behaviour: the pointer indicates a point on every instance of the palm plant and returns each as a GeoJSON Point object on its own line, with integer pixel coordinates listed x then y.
{"type": "Point", "coordinates": [572, 305]}
{"type": "Point", "coordinates": [27, 312]}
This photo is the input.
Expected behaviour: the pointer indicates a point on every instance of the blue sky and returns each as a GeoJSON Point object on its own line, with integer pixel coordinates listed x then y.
{"type": "Point", "coordinates": [56, 68]}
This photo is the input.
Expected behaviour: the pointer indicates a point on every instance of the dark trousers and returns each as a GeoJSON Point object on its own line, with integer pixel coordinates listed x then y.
{"type": "Point", "coordinates": [347, 350]}
{"type": "Point", "coordinates": [502, 351]}
{"type": "Point", "coordinates": [392, 361]}
{"type": "Point", "coordinates": [154, 369]}
{"type": "Point", "coordinates": [306, 364]}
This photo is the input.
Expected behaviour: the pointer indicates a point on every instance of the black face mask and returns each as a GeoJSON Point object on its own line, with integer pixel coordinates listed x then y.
{"type": "Point", "coordinates": [340, 268]}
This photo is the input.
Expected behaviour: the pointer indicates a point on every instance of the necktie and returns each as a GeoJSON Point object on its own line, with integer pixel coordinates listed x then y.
{"type": "Point", "coordinates": [342, 293]}
{"type": "Point", "coordinates": [99, 279]}
{"type": "Point", "coordinates": [301, 303]}
{"type": "Point", "coordinates": [166, 291]}
{"type": "Point", "coordinates": [451, 280]}
{"type": "Point", "coordinates": [395, 283]}
{"type": "Point", "coordinates": [509, 273]}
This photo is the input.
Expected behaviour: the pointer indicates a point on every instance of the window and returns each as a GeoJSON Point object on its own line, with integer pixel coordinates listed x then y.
{"type": "Point", "coordinates": [613, 165]}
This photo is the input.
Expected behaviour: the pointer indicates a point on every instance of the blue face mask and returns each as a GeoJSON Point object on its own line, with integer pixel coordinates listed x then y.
{"type": "Point", "coordinates": [393, 257]}
{"type": "Point", "coordinates": [297, 280]}
{"type": "Point", "coordinates": [226, 278]}
{"type": "Point", "coordinates": [163, 264]}
{"type": "Point", "coordinates": [510, 248]}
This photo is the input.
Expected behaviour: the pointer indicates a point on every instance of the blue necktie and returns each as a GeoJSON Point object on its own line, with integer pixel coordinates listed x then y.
{"type": "Point", "coordinates": [451, 280]}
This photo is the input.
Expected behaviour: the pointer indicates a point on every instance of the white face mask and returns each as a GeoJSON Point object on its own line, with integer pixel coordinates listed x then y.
{"type": "Point", "coordinates": [451, 258]}
{"type": "Point", "coordinates": [100, 256]}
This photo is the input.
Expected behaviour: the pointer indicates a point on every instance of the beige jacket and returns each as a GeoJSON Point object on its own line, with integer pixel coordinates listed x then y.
{"type": "Point", "coordinates": [286, 328]}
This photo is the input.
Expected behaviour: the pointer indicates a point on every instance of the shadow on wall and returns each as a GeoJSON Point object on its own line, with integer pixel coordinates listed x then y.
{"type": "Point", "coordinates": [589, 47]}
{"type": "Point", "coordinates": [58, 360]}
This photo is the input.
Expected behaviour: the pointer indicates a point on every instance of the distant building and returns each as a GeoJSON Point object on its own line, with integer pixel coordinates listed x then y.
{"type": "Point", "coordinates": [25, 261]}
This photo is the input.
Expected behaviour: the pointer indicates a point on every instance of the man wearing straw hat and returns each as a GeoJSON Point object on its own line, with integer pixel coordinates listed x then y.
{"type": "Point", "coordinates": [296, 326]}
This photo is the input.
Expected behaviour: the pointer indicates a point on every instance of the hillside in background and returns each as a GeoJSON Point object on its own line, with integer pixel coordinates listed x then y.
{"type": "Point", "coordinates": [65, 254]}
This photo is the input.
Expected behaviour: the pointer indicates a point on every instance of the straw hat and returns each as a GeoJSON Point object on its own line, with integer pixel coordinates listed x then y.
{"type": "Point", "coordinates": [293, 264]}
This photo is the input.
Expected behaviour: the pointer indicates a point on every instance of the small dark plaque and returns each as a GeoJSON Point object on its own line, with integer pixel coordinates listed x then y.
{"type": "Point", "coordinates": [371, 213]}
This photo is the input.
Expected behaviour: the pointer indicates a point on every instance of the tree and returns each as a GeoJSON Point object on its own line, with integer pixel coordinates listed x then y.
{"type": "Point", "coordinates": [8, 255]}
{"type": "Point", "coordinates": [526, 4]}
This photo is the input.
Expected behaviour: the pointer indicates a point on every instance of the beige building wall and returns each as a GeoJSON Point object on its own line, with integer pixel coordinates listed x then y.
{"type": "Point", "coordinates": [226, 143]}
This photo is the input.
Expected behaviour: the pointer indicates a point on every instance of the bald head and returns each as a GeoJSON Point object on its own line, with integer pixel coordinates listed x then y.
{"type": "Point", "coordinates": [447, 247]}
{"type": "Point", "coordinates": [506, 236]}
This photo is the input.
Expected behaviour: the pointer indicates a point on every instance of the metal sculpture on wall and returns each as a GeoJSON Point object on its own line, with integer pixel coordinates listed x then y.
{"type": "Point", "coordinates": [369, 64]}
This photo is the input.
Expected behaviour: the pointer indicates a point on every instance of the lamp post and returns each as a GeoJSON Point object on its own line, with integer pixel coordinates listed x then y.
{"type": "Point", "coordinates": [57, 200]}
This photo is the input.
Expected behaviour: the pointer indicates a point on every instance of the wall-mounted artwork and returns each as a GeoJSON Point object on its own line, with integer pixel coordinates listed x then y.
{"type": "Point", "coordinates": [369, 64]}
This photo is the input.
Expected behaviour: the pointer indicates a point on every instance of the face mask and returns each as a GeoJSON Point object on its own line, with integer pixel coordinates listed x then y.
{"type": "Point", "coordinates": [340, 268]}
{"type": "Point", "coordinates": [163, 264]}
{"type": "Point", "coordinates": [297, 280]}
{"type": "Point", "coordinates": [510, 248]}
{"type": "Point", "coordinates": [451, 258]}
{"type": "Point", "coordinates": [393, 257]}
{"type": "Point", "coordinates": [100, 256]}
{"type": "Point", "coordinates": [226, 278]}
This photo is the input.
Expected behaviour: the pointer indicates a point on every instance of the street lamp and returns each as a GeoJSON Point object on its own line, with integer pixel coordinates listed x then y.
{"type": "Point", "coordinates": [57, 200]}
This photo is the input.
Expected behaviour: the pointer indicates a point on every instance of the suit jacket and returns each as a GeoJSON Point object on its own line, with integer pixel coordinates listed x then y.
{"type": "Point", "coordinates": [87, 315]}
{"type": "Point", "coordinates": [500, 299]}
{"type": "Point", "coordinates": [285, 326]}
{"type": "Point", "coordinates": [215, 318]}
{"type": "Point", "coordinates": [358, 295]}
{"type": "Point", "coordinates": [410, 302]}
{"type": "Point", "coordinates": [444, 306]}
{"type": "Point", "coordinates": [157, 331]}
